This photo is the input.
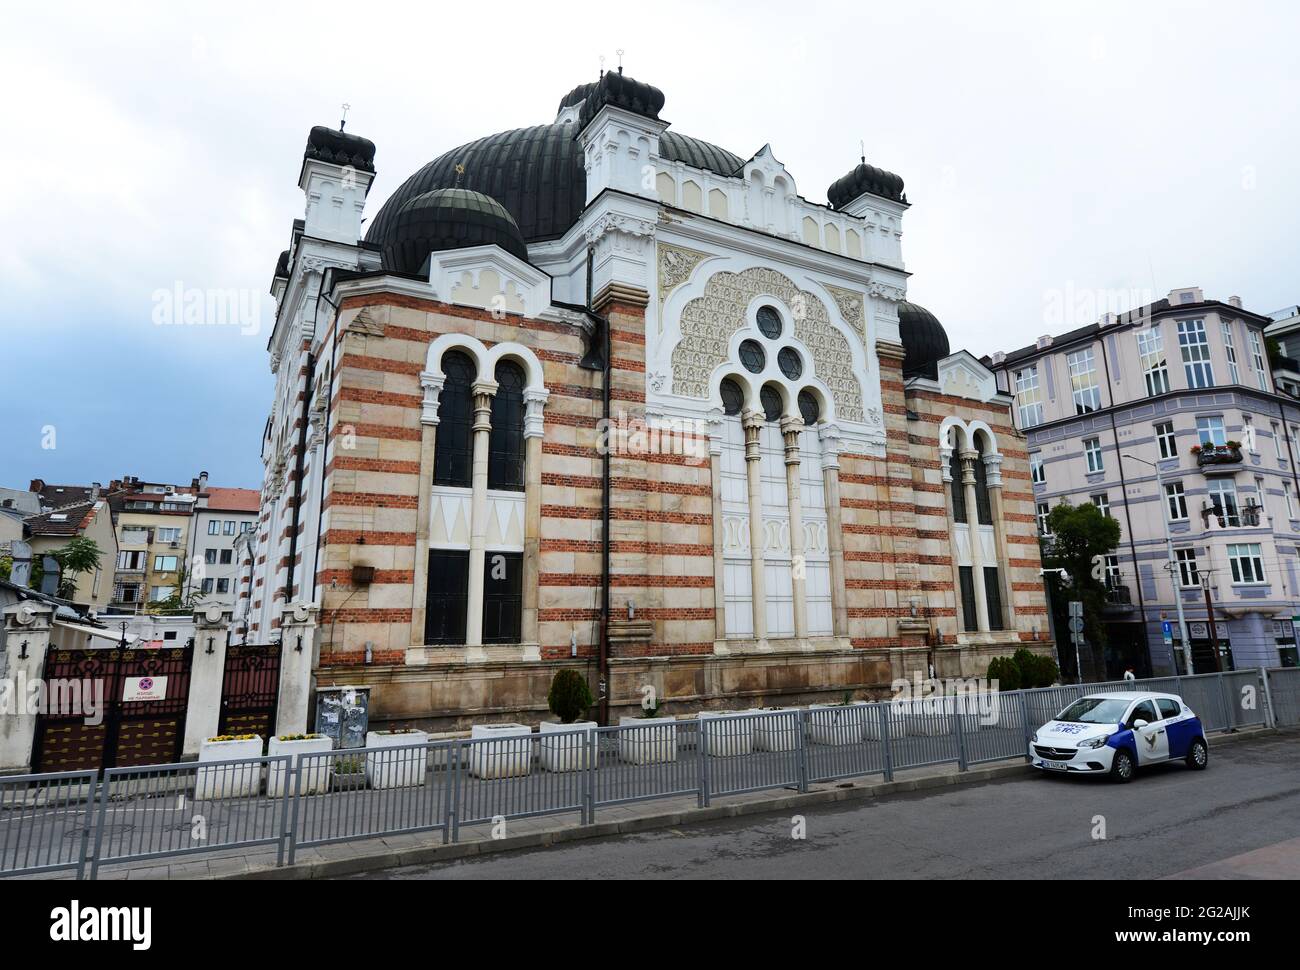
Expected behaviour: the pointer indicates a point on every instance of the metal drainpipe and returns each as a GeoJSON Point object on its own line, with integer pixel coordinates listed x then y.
{"type": "Point", "coordinates": [606, 368]}
{"type": "Point", "coordinates": [329, 407]}
{"type": "Point", "coordinates": [1128, 516]}
{"type": "Point", "coordinates": [297, 483]}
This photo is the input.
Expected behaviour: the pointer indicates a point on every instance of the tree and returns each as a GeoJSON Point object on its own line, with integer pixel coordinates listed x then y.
{"type": "Point", "coordinates": [1078, 534]}
{"type": "Point", "coordinates": [181, 600]}
{"type": "Point", "coordinates": [80, 555]}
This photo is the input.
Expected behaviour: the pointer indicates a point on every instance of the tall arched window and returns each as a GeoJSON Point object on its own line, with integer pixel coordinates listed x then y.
{"type": "Point", "coordinates": [958, 488]}
{"type": "Point", "coordinates": [506, 450]}
{"type": "Point", "coordinates": [453, 453]}
{"type": "Point", "coordinates": [983, 510]}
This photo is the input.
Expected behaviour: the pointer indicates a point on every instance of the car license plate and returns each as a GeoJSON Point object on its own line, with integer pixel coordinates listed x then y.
{"type": "Point", "coordinates": [1057, 765]}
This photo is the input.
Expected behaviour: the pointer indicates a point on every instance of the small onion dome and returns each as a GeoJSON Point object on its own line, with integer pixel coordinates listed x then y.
{"type": "Point", "coordinates": [578, 95]}
{"type": "Point", "coordinates": [865, 178]}
{"type": "Point", "coordinates": [448, 219]}
{"type": "Point", "coordinates": [620, 91]}
{"type": "Point", "coordinates": [340, 148]}
{"type": "Point", "coordinates": [282, 266]}
{"type": "Point", "coordinates": [925, 342]}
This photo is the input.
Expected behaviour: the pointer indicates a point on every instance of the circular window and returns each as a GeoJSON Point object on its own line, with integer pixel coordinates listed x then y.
{"type": "Point", "coordinates": [733, 398]}
{"type": "Point", "coordinates": [770, 398]}
{"type": "Point", "coordinates": [752, 356]}
{"type": "Point", "coordinates": [790, 363]}
{"type": "Point", "coordinates": [769, 322]}
{"type": "Point", "coordinates": [809, 408]}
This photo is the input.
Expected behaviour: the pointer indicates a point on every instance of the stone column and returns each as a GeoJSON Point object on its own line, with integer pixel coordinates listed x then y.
{"type": "Point", "coordinates": [26, 641]}
{"type": "Point", "coordinates": [829, 435]}
{"type": "Point", "coordinates": [298, 646]}
{"type": "Point", "coordinates": [945, 468]}
{"type": "Point", "coordinates": [432, 384]}
{"type": "Point", "coordinates": [483, 394]}
{"type": "Point", "coordinates": [534, 401]}
{"type": "Point", "coordinates": [753, 423]}
{"type": "Point", "coordinates": [993, 476]}
{"type": "Point", "coordinates": [968, 459]}
{"type": "Point", "coordinates": [791, 428]}
{"type": "Point", "coordinates": [207, 673]}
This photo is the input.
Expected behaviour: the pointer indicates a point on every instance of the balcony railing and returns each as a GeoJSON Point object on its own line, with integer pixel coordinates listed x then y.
{"type": "Point", "coordinates": [1229, 454]}
{"type": "Point", "coordinates": [1119, 596]}
{"type": "Point", "coordinates": [1246, 517]}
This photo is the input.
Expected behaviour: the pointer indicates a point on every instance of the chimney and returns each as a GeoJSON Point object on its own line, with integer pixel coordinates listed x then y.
{"type": "Point", "coordinates": [37, 484]}
{"type": "Point", "coordinates": [95, 489]}
{"type": "Point", "coordinates": [1234, 301]}
{"type": "Point", "coordinates": [203, 481]}
{"type": "Point", "coordinates": [1044, 341]}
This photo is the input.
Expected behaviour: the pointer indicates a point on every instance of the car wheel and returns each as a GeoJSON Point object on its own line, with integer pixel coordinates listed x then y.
{"type": "Point", "coordinates": [1121, 770]}
{"type": "Point", "coordinates": [1198, 756]}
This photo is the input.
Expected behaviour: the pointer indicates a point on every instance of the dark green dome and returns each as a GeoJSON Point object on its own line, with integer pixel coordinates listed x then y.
{"type": "Point", "coordinates": [925, 342]}
{"type": "Point", "coordinates": [448, 219]}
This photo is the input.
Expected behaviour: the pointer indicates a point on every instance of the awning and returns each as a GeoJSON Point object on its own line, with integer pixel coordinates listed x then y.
{"type": "Point", "coordinates": [96, 632]}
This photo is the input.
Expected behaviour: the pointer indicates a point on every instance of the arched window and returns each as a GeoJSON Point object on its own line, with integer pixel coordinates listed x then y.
{"type": "Point", "coordinates": [506, 449]}
{"type": "Point", "coordinates": [453, 453]}
{"type": "Point", "coordinates": [983, 510]}
{"type": "Point", "coordinates": [958, 489]}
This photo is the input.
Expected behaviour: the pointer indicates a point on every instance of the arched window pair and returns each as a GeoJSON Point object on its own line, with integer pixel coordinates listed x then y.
{"type": "Point", "coordinates": [983, 507]}
{"type": "Point", "coordinates": [453, 457]}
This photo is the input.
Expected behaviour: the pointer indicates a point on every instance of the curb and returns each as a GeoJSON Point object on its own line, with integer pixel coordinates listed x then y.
{"type": "Point", "coordinates": [827, 793]}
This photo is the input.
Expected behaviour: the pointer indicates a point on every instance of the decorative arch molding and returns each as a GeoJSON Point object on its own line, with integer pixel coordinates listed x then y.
{"type": "Point", "coordinates": [958, 435]}
{"type": "Point", "coordinates": [708, 324]}
{"type": "Point", "coordinates": [485, 360]}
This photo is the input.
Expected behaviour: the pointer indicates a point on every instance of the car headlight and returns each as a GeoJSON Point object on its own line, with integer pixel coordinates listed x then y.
{"type": "Point", "coordinates": [1095, 742]}
{"type": "Point", "coordinates": [1034, 737]}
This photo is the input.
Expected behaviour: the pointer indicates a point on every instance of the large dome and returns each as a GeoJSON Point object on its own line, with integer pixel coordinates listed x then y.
{"type": "Point", "coordinates": [536, 173]}
{"type": "Point", "coordinates": [925, 342]}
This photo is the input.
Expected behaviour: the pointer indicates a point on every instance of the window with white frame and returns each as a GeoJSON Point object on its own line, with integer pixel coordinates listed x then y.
{"type": "Point", "coordinates": [1176, 501]}
{"type": "Point", "coordinates": [1210, 431]}
{"type": "Point", "coordinates": [1166, 440]}
{"type": "Point", "coordinates": [1290, 500]}
{"type": "Point", "coordinates": [1029, 398]}
{"type": "Point", "coordinates": [169, 535]}
{"type": "Point", "coordinates": [214, 527]}
{"type": "Point", "coordinates": [1083, 380]}
{"type": "Point", "coordinates": [165, 564]}
{"type": "Point", "coordinates": [1230, 349]}
{"type": "Point", "coordinates": [1151, 350]}
{"type": "Point", "coordinates": [1257, 355]}
{"type": "Point", "coordinates": [228, 527]}
{"type": "Point", "coordinates": [1044, 510]}
{"type": "Point", "coordinates": [1196, 353]}
{"type": "Point", "coordinates": [1112, 571]}
{"type": "Point", "coordinates": [1092, 452]}
{"type": "Point", "coordinates": [1188, 574]}
{"type": "Point", "coordinates": [1223, 499]}
{"type": "Point", "coordinates": [1037, 470]}
{"type": "Point", "coordinates": [1102, 501]}
{"type": "Point", "coordinates": [1246, 562]}
{"type": "Point", "coordinates": [1277, 441]}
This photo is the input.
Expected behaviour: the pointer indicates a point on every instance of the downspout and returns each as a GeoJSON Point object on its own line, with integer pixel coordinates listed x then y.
{"type": "Point", "coordinates": [604, 364]}
{"type": "Point", "coordinates": [1128, 516]}
{"type": "Point", "coordinates": [297, 482]}
{"type": "Point", "coordinates": [329, 407]}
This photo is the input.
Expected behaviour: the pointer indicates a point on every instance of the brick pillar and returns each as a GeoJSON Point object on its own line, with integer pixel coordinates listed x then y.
{"type": "Point", "coordinates": [207, 671]}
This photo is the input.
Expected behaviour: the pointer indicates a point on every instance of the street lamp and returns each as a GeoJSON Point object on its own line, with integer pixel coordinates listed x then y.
{"type": "Point", "coordinates": [1173, 564]}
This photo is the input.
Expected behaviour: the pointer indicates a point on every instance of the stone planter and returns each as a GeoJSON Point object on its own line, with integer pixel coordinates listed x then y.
{"type": "Point", "coordinates": [505, 752]}
{"type": "Point", "coordinates": [228, 781]}
{"type": "Point", "coordinates": [647, 740]}
{"type": "Point", "coordinates": [781, 733]}
{"type": "Point", "coordinates": [837, 723]}
{"type": "Point", "coordinates": [315, 771]}
{"type": "Point", "coordinates": [726, 734]}
{"type": "Point", "coordinates": [571, 750]}
{"type": "Point", "coordinates": [396, 769]}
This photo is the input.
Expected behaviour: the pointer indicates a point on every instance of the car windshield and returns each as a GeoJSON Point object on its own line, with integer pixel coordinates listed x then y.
{"type": "Point", "coordinates": [1095, 710]}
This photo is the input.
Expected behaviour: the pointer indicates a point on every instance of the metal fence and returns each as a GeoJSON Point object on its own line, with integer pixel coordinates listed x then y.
{"type": "Point", "coordinates": [74, 820]}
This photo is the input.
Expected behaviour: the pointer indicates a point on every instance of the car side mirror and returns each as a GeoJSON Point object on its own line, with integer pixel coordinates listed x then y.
{"type": "Point", "coordinates": [1139, 723]}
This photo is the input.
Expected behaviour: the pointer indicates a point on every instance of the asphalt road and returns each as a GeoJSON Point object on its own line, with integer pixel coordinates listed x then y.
{"type": "Point", "coordinates": [1167, 820]}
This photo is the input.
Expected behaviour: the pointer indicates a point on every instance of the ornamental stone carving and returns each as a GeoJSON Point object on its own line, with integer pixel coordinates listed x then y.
{"type": "Point", "coordinates": [675, 267]}
{"type": "Point", "coordinates": [708, 322]}
{"type": "Point", "coordinates": [851, 308]}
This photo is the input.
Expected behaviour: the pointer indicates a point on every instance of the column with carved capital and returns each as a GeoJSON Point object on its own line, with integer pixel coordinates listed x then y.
{"type": "Point", "coordinates": [432, 384]}
{"type": "Point", "coordinates": [968, 459]}
{"type": "Point", "coordinates": [830, 441]}
{"type": "Point", "coordinates": [534, 401]}
{"type": "Point", "coordinates": [791, 428]}
{"type": "Point", "coordinates": [993, 476]}
{"type": "Point", "coordinates": [483, 392]}
{"type": "Point", "coordinates": [950, 503]}
{"type": "Point", "coordinates": [753, 425]}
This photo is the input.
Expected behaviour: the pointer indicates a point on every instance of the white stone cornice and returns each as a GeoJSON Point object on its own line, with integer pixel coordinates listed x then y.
{"type": "Point", "coordinates": [619, 222]}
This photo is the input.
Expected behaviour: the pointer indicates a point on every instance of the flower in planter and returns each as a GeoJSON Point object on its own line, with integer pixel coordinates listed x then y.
{"type": "Point", "coordinates": [233, 737]}
{"type": "Point", "coordinates": [299, 737]}
{"type": "Point", "coordinates": [1196, 449]}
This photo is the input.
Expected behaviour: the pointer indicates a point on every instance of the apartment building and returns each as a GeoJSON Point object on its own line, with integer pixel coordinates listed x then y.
{"type": "Point", "coordinates": [221, 516]}
{"type": "Point", "coordinates": [1168, 416]}
{"type": "Point", "coordinates": [153, 531]}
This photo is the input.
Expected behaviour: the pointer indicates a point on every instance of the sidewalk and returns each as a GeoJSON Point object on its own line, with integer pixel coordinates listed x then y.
{"type": "Point", "coordinates": [323, 862]}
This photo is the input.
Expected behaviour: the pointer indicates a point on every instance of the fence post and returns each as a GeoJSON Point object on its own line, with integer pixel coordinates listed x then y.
{"type": "Point", "coordinates": [704, 761]}
{"type": "Point", "coordinates": [589, 782]}
{"type": "Point", "coordinates": [801, 744]}
{"type": "Point", "coordinates": [286, 833]}
{"type": "Point", "coordinates": [297, 795]}
{"type": "Point", "coordinates": [886, 742]}
{"type": "Point", "coordinates": [1270, 717]}
{"type": "Point", "coordinates": [453, 802]}
{"type": "Point", "coordinates": [99, 827]}
{"type": "Point", "coordinates": [958, 729]}
{"type": "Point", "coordinates": [1024, 722]}
{"type": "Point", "coordinates": [85, 830]}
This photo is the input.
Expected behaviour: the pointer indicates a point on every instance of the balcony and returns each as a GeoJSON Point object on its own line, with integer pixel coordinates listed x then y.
{"type": "Point", "coordinates": [1247, 517]}
{"type": "Point", "coordinates": [1211, 454]}
{"type": "Point", "coordinates": [1119, 599]}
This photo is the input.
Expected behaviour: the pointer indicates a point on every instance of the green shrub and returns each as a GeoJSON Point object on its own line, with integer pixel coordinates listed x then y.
{"type": "Point", "coordinates": [569, 697]}
{"type": "Point", "coordinates": [1045, 671]}
{"type": "Point", "coordinates": [1005, 672]}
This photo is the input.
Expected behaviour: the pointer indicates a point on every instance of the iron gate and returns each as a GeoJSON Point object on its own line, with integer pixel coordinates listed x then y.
{"type": "Point", "coordinates": [250, 687]}
{"type": "Point", "coordinates": [127, 733]}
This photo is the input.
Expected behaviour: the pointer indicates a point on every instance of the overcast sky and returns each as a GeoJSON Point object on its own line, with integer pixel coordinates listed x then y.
{"type": "Point", "coordinates": [1056, 156]}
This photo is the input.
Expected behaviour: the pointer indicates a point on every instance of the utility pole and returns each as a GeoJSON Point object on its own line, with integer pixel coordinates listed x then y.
{"type": "Point", "coordinates": [1173, 565]}
{"type": "Point", "coordinates": [1209, 611]}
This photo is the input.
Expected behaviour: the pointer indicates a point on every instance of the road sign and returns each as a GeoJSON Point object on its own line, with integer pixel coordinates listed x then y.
{"type": "Point", "coordinates": [1167, 631]}
{"type": "Point", "coordinates": [1076, 624]}
{"type": "Point", "coordinates": [1076, 607]}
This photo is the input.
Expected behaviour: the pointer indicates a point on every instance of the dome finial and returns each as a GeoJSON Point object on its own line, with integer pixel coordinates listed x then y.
{"type": "Point", "coordinates": [602, 65]}
{"type": "Point", "coordinates": [619, 52]}
{"type": "Point", "coordinates": [460, 173]}
{"type": "Point", "coordinates": [344, 120]}
{"type": "Point", "coordinates": [862, 148]}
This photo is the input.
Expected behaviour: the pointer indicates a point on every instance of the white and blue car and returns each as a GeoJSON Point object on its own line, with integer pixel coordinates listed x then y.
{"type": "Point", "coordinates": [1116, 734]}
